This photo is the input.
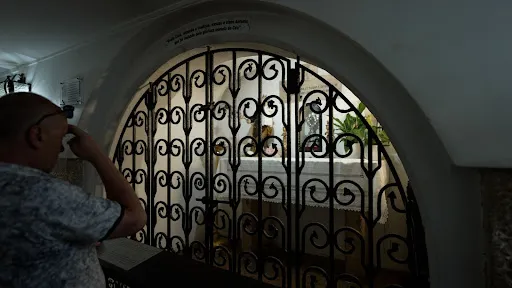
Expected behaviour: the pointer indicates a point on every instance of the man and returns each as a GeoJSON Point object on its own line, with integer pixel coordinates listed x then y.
{"type": "Point", "coordinates": [48, 227]}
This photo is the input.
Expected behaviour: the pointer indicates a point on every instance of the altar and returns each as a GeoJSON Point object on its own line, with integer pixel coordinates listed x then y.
{"type": "Point", "coordinates": [312, 194]}
{"type": "Point", "coordinates": [344, 171]}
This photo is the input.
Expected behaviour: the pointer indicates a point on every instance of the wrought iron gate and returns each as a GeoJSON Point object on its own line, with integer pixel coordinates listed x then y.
{"type": "Point", "coordinates": [220, 186]}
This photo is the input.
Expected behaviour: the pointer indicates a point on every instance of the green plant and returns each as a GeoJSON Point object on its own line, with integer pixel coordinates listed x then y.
{"type": "Point", "coordinates": [353, 125]}
{"type": "Point", "coordinates": [356, 126]}
{"type": "Point", "coordinates": [382, 135]}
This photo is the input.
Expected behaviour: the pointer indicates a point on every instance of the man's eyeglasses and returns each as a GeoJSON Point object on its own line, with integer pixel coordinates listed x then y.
{"type": "Point", "coordinates": [67, 110]}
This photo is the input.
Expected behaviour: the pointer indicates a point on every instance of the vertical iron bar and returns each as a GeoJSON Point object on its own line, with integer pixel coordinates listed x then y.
{"type": "Point", "coordinates": [296, 220]}
{"type": "Point", "coordinates": [259, 150]}
{"type": "Point", "coordinates": [371, 225]}
{"type": "Point", "coordinates": [234, 240]}
{"type": "Point", "coordinates": [211, 160]}
{"type": "Point", "coordinates": [151, 186]}
{"type": "Point", "coordinates": [298, 145]}
{"type": "Point", "coordinates": [169, 168]}
{"type": "Point", "coordinates": [208, 155]}
{"type": "Point", "coordinates": [187, 93]}
{"type": "Point", "coordinates": [331, 191]}
{"type": "Point", "coordinates": [134, 147]}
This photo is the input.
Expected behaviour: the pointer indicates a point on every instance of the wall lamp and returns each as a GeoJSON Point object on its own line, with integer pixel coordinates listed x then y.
{"type": "Point", "coordinates": [16, 83]}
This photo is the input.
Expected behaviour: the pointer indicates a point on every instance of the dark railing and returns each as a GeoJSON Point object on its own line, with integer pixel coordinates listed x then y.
{"type": "Point", "coordinates": [149, 267]}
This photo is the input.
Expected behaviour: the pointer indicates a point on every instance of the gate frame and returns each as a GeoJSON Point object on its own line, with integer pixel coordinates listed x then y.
{"type": "Point", "coordinates": [294, 77]}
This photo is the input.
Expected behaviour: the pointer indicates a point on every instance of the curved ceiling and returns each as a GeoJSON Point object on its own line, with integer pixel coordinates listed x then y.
{"type": "Point", "coordinates": [33, 30]}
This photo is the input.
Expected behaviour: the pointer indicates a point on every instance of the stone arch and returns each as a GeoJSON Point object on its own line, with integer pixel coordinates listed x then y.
{"type": "Point", "coordinates": [438, 184]}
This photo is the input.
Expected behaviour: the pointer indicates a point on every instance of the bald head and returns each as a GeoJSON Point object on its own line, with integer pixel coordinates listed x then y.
{"type": "Point", "coordinates": [20, 110]}
{"type": "Point", "coordinates": [31, 130]}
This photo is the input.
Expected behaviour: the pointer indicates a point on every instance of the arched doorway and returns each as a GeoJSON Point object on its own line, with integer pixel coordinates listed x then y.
{"type": "Point", "coordinates": [256, 163]}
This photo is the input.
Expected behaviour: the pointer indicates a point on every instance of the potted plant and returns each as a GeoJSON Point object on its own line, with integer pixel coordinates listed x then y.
{"type": "Point", "coordinates": [355, 125]}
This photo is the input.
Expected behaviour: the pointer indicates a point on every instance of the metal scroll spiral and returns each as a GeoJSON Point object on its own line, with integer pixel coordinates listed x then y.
{"type": "Point", "coordinates": [198, 112]}
{"type": "Point", "coordinates": [274, 104]}
{"type": "Point", "coordinates": [134, 177]}
{"type": "Point", "coordinates": [349, 236]}
{"type": "Point", "coordinates": [198, 146]}
{"type": "Point", "coordinates": [315, 238]}
{"type": "Point", "coordinates": [177, 83]}
{"type": "Point", "coordinates": [273, 227]}
{"type": "Point", "coordinates": [224, 220]}
{"type": "Point", "coordinates": [199, 78]}
{"type": "Point", "coordinates": [397, 242]}
{"type": "Point", "coordinates": [198, 180]}
{"type": "Point", "coordinates": [249, 68]}
{"type": "Point", "coordinates": [273, 268]}
{"type": "Point", "coordinates": [197, 216]}
{"type": "Point", "coordinates": [247, 262]}
{"type": "Point", "coordinates": [313, 191]}
{"type": "Point", "coordinates": [137, 119]}
{"type": "Point", "coordinates": [163, 116]}
{"type": "Point", "coordinates": [272, 187]}
{"type": "Point", "coordinates": [198, 250]}
{"type": "Point", "coordinates": [313, 275]}
{"type": "Point", "coordinates": [223, 145]}
{"type": "Point", "coordinates": [177, 213]}
{"type": "Point", "coordinates": [176, 115]}
{"type": "Point", "coordinates": [245, 182]}
{"type": "Point", "coordinates": [221, 183]}
{"type": "Point", "coordinates": [162, 87]}
{"type": "Point", "coordinates": [140, 236]}
{"type": "Point", "coordinates": [176, 148]}
{"type": "Point", "coordinates": [221, 74]}
{"type": "Point", "coordinates": [137, 147]}
{"type": "Point", "coordinates": [162, 239]}
{"type": "Point", "coordinates": [247, 223]}
{"type": "Point", "coordinates": [272, 68]}
{"type": "Point", "coordinates": [221, 257]}
{"type": "Point", "coordinates": [348, 196]}
{"type": "Point", "coordinates": [220, 110]}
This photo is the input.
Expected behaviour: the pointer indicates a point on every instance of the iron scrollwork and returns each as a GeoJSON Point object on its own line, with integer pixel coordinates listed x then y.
{"type": "Point", "coordinates": [169, 150]}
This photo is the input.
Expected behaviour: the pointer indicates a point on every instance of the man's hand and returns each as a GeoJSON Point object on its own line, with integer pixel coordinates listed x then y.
{"type": "Point", "coordinates": [82, 144]}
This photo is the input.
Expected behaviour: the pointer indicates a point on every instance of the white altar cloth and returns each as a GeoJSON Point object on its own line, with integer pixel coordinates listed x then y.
{"type": "Point", "coordinates": [343, 169]}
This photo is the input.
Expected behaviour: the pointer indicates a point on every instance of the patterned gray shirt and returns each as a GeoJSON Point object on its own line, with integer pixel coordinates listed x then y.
{"type": "Point", "coordinates": [48, 230]}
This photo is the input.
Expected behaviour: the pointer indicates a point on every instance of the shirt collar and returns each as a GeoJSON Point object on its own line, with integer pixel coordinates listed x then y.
{"type": "Point", "coordinates": [20, 169]}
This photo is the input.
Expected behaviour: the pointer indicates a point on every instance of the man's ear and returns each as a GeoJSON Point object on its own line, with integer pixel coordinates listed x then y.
{"type": "Point", "coordinates": [35, 137]}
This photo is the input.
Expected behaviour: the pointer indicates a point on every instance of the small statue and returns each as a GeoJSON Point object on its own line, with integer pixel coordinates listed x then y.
{"type": "Point", "coordinates": [267, 131]}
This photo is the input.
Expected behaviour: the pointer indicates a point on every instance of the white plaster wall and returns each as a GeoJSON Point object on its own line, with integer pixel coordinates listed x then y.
{"type": "Point", "coordinates": [452, 56]}
{"type": "Point", "coordinates": [419, 42]}
{"type": "Point", "coordinates": [89, 62]}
